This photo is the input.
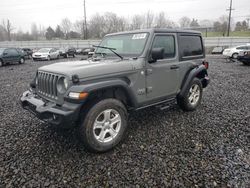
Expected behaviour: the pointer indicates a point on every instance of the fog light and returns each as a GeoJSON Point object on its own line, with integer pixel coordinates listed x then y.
{"type": "Point", "coordinates": [76, 95]}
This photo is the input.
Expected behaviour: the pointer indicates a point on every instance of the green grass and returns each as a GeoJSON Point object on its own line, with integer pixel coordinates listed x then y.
{"type": "Point", "coordinates": [232, 34]}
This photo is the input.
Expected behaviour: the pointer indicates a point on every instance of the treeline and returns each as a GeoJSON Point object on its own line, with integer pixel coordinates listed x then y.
{"type": "Point", "coordinates": [99, 25]}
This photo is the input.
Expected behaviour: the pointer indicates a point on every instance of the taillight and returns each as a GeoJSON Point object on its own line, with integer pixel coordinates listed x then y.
{"type": "Point", "coordinates": [206, 64]}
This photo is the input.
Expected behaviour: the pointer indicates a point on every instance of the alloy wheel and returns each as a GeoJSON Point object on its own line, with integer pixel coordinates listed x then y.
{"type": "Point", "coordinates": [107, 125]}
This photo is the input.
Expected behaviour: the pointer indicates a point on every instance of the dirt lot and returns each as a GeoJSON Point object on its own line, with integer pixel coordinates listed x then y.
{"type": "Point", "coordinates": [171, 148]}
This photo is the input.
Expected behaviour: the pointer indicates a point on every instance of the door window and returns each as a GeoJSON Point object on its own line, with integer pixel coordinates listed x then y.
{"type": "Point", "coordinates": [168, 43]}
{"type": "Point", "coordinates": [12, 52]}
{"type": "Point", "coordinates": [190, 46]}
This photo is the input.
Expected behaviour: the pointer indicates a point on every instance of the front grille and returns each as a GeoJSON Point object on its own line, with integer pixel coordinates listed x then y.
{"type": "Point", "coordinates": [46, 84]}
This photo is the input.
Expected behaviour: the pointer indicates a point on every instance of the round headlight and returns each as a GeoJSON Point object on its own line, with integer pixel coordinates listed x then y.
{"type": "Point", "coordinates": [66, 83]}
{"type": "Point", "coordinates": [62, 85]}
{"type": "Point", "coordinates": [36, 81]}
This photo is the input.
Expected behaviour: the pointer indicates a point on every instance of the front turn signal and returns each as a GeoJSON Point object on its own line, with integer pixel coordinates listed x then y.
{"type": "Point", "coordinates": [76, 95]}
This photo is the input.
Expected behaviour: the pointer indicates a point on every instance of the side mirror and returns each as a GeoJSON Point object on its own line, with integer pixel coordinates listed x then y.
{"type": "Point", "coordinates": [157, 53]}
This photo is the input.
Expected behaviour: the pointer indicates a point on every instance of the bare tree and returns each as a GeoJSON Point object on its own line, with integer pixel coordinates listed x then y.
{"type": "Point", "coordinates": [149, 19]}
{"type": "Point", "coordinates": [96, 25]}
{"type": "Point", "coordinates": [66, 25]}
{"type": "Point", "coordinates": [79, 27]}
{"type": "Point", "coordinates": [137, 22]}
{"type": "Point", "coordinates": [8, 28]}
{"type": "Point", "coordinates": [34, 31]}
{"type": "Point", "coordinates": [206, 23]}
{"type": "Point", "coordinates": [185, 22]}
{"type": "Point", "coordinates": [163, 22]}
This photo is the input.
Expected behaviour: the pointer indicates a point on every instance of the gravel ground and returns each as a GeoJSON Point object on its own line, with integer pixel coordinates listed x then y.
{"type": "Point", "coordinates": [171, 148]}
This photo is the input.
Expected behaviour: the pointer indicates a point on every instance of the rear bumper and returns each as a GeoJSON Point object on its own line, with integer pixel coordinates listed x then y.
{"type": "Point", "coordinates": [244, 59]}
{"type": "Point", "coordinates": [65, 115]}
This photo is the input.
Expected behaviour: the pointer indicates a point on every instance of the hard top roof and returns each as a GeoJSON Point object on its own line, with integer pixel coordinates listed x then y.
{"type": "Point", "coordinates": [157, 30]}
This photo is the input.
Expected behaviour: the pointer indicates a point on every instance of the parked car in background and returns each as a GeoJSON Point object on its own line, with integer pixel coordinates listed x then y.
{"type": "Point", "coordinates": [234, 51]}
{"type": "Point", "coordinates": [218, 50]}
{"type": "Point", "coordinates": [35, 50]}
{"type": "Point", "coordinates": [11, 55]}
{"type": "Point", "coordinates": [87, 50]}
{"type": "Point", "coordinates": [46, 54]}
{"type": "Point", "coordinates": [67, 51]}
{"type": "Point", "coordinates": [79, 51]}
{"type": "Point", "coordinates": [244, 57]}
{"type": "Point", "coordinates": [28, 52]}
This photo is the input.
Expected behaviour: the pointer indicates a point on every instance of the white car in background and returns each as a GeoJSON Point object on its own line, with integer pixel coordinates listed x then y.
{"type": "Point", "coordinates": [234, 51]}
{"type": "Point", "coordinates": [46, 54]}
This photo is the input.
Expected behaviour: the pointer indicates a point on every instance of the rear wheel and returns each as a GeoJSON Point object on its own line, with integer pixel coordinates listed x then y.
{"type": "Point", "coordinates": [22, 61]}
{"type": "Point", "coordinates": [192, 97]}
{"type": "Point", "coordinates": [235, 55]}
{"type": "Point", "coordinates": [104, 125]}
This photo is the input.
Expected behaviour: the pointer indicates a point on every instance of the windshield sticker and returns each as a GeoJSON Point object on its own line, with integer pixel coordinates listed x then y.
{"type": "Point", "coordinates": [139, 36]}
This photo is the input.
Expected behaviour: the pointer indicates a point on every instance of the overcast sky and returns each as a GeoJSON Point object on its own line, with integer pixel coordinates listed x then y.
{"type": "Point", "coordinates": [50, 12]}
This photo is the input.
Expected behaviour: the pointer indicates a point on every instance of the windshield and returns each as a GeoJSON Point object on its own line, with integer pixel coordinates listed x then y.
{"type": "Point", "coordinates": [44, 50]}
{"type": "Point", "coordinates": [125, 44]}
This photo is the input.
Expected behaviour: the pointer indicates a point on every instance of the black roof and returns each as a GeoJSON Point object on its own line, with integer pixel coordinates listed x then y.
{"type": "Point", "coordinates": [158, 30]}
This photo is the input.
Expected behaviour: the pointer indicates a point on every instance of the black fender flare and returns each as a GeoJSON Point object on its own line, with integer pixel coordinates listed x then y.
{"type": "Point", "coordinates": [106, 84]}
{"type": "Point", "coordinates": [190, 76]}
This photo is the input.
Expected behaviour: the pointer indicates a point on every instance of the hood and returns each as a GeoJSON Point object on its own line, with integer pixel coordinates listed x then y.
{"type": "Point", "coordinates": [89, 68]}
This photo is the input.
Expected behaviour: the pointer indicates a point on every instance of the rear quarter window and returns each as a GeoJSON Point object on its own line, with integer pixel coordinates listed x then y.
{"type": "Point", "coordinates": [190, 46]}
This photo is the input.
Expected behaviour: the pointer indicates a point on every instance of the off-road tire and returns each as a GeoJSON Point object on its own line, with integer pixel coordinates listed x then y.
{"type": "Point", "coordinates": [183, 101]}
{"type": "Point", "coordinates": [90, 115]}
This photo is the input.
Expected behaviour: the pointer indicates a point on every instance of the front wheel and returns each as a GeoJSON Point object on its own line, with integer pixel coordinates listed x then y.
{"type": "Point", "coordinates": [192, 97]}
{"type": "Point", "coordinates": [104, 125]}
{"type": "Point", "coordinates": [48, 58]}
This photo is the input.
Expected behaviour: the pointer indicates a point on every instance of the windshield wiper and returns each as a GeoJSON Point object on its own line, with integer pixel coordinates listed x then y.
{"type": "Point", "coordinates": [111, 49]}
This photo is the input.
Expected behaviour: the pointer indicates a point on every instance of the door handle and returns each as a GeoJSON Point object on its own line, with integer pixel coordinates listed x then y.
{"type": "Point", "coordinates": [174, 67]}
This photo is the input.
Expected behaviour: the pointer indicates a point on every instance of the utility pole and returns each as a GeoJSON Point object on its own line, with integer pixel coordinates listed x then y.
{"type": "Point", "coordinates": [85, 22]}
{"type": "Point", "coordinates": [229, 18]}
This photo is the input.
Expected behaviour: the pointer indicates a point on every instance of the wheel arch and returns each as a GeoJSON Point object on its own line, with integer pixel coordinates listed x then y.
{"type": "Point", "coordinates": [198, 72]}
{"type": "Point", "coordinates": [118, 89]}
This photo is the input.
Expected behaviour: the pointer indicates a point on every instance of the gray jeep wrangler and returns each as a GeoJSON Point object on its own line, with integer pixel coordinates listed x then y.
{"type": "Point", "coordinates": [128, 71]}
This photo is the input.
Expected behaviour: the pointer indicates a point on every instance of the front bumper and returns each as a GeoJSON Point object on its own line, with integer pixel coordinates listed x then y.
{"type": "Point", "coordinates": [65, 115]}
{"type": "Point", "coordinates": [39, 58]}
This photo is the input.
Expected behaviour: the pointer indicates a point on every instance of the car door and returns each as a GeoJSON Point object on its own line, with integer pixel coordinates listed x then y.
{"type": "Point", "coordinates": [6, 56]}
{"type": "Point", "coordinates": [162, 76]}
{"type": "Point", "coordinates": [10, 55]}
{"type": "Point", "coordinates": [53, 53]}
